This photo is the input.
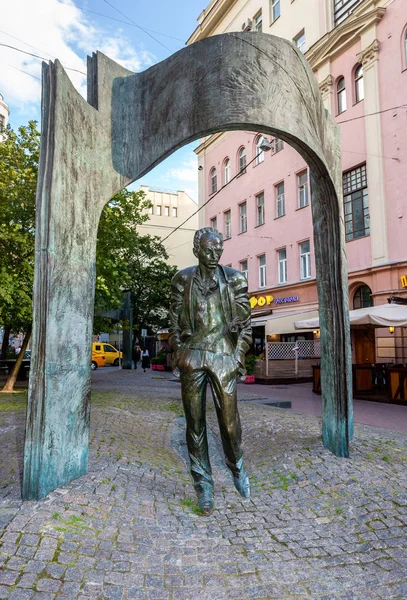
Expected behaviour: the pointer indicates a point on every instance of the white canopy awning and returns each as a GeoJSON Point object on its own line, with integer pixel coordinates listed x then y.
{"type": "Point", "coordinates": [282, 322]}
{"type": "Point", "coordinates": [384, 315]}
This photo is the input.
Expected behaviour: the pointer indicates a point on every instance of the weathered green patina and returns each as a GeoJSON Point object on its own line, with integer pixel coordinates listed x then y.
{"type": "Point", "coordinates": [131, 122]}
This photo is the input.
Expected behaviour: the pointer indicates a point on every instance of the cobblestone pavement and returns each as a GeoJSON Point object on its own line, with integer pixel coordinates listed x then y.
{"type": "Point", "coordinates": [316, 526]}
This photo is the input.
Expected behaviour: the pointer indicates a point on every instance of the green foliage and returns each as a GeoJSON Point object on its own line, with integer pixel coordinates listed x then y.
{"type": "Point", "coordinates": [250, 362]}
{"type": "Point", "coordinates": [126, 260]}
{"type": "Point", "coordinates": [160, 359]}
{"type": "Point", "coordinates": [19, 155]}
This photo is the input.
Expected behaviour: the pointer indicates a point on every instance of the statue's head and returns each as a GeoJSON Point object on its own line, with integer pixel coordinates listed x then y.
{"type": "Point", "coordinates": [208, 246]}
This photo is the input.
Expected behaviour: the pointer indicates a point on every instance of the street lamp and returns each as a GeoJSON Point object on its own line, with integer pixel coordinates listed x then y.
{"type": "Point", "coordinates": [265, 145]}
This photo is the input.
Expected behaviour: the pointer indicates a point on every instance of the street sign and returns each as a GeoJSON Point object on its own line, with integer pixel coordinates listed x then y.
{"type": "Point", "coordinates": [144, 333]}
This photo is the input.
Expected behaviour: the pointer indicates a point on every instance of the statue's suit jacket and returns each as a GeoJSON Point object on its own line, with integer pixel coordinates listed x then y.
{"type": "Point", "coordinates": [234, 305]}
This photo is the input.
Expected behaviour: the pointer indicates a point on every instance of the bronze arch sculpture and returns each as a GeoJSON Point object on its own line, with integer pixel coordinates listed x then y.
{"type": "Point", "coordinates": [131, 122]}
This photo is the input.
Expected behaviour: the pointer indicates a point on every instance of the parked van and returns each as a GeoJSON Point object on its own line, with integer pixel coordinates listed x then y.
{"type": "Point", "coordinates": [111, 353]}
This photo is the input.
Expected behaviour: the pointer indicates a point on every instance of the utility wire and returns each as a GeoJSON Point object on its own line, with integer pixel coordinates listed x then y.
{"type": "Point", "coordinates": [379, 112]}
{"type": "Point", "coordinates": [136, 25]}
{"type": "Point", "coordinates": [20, 40]}
{"type": "Point", "coordinates": [25, 72]}
{"type": "Point", "coordinates": [40, 57]}
{"type": "Point", "coordinates": [212, 197]}
{"type": "Point", "coordinates": [171, 37]}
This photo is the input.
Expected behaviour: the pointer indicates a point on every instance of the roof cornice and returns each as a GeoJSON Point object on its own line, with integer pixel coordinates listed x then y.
{"type": "Point", "coordinates": [209, 19]}
{"type": "Point", "coordinates": [345, 35]}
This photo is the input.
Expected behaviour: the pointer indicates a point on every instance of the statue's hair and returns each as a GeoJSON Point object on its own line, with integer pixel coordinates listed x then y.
{"type": "Point", "coordinates": [206, 231]}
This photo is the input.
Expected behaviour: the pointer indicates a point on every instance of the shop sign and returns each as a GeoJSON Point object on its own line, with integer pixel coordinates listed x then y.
{"type": "Point", "coordinates": [287, 300]}
{"type": "Point", "coordinates": [403, 280]}
{"type": "Point", "coordinates": [267, 300]}
{"type": "Point", "coordinates": [261, 301]}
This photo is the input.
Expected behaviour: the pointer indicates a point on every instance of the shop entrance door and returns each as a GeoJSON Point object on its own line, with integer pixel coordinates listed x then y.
{"type": "Point", "coordinates": [365, 350]}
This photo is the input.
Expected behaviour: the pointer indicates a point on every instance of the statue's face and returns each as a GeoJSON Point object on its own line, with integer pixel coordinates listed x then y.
{"type": "Point", "coordinates": [210, 251]}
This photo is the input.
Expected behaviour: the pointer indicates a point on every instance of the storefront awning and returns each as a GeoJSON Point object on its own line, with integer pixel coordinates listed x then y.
{"type": "Point", "coordinates": [384, 315]}
{"type": "Point", "coordinates": [283, 322]}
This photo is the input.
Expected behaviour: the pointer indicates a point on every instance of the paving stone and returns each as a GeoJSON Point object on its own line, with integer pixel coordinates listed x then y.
{"type": "Point", "coordinates": [316, 526]}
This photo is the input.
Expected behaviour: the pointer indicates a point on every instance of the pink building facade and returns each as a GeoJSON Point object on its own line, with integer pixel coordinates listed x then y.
{"type": "Point", "coordinates": [264, 213]}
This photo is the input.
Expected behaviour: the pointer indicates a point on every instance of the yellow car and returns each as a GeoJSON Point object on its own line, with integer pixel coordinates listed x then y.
{"type": "Point", "coordinates": [98, 360]}
{"type": "Point", "coordinates": [111, 353]}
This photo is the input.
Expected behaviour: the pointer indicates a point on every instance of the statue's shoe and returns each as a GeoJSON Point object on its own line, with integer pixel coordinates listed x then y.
{"type": "Point", "coordinates": [242, 483]}
{"type": "Point", "coordinates": [205, 501]}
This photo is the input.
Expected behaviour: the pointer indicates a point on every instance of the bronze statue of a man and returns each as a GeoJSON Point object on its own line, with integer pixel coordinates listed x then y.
{"type": "Point", "coordinates": [210, 334]}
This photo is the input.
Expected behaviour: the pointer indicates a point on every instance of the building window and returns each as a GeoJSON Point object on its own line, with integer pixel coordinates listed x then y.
{"type": "Point", "coordinates": [243, 217]}
{"type": "Point", "coordinates": [214, 179]}
{"type": "Point", "coordinates": [363, 297]}
{"type": "Point", "coordinates": [166, 211]}
{"type": "Point", "coordinates": [260, 209]}
{"type": "Point", "coordinates": [226, 171]}
{"type": "Point", "coordinates": [282, 265]}
{"type": "Point", "coordinates": [359, 85]}
{"type": "Point", "coordinates": [302, 182]}
{"type": "Point", "coordinates": [158, 210]}
{"type": "Point", "coordinates": [299, 41]}
{"type": "Point", "coordinates": [242, 161]}
{"type": "Point", "coordinates": [258, 150]}
{"type": "Point", "coordinates": [278, 145]}
{"type": "Point", "coordinates": [280, 199]}
{"type": "Point", "coordinates": [274, 9]}
{"type": "Point", "coordinates": [214, 222]}
{"type": "Point", "coordinates": [151, 210]}
{"type": "Point", "coordinates": [258, 22]}
{"type": "Point", "coordinates": [305, 260]}
{"type": "Point", "coordinates": [2, 122]}
{"type": "Point", "coordinates": [228, 224]}
{"type": "Point", "coordinates": [343, 8]}
{"type": "Point", "coordinates": [262, 271]}
{"type": "Point", "coordinates": [356, 203]}
{"type": "Point", "coordinates": [341, 94]}
{"type": "Point", "coordinates": [244, 268]}
{"type": "Point", "coordinates": [405, 49]}
{"type": "Point", "coordinates": [174, 211]}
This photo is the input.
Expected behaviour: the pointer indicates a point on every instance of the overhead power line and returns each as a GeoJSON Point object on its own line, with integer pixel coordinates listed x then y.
{"type": "Point", "coordinates": [137, 25]}
{"type": "Point", "coordinates": [171, 37]}
{"type": "Point", "coordinates": [25, 72]}
{"type": "Point", "coordinates": [38, 56]}
{"type": "Point", "coordinates": [379, 112]}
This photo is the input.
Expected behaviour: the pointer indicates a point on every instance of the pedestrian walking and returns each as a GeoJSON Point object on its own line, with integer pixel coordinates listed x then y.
{"type": "Point", "coordinates": [145, 359]}
{"type": "Point", "coordinates": [136, 354]}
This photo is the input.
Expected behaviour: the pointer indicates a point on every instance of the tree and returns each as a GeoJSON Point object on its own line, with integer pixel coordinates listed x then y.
{"type": "Point", "coordinates": [126, 260]}
{"type": "Point", "coordinates": [19, 154]}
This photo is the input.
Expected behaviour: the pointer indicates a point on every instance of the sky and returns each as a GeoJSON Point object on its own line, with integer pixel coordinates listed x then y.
{"type": "Point", "coordinates": [135, 33]}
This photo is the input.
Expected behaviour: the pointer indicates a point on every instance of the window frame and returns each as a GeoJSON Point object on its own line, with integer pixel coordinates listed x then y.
{"type": "Point", "coordinates": [166, 211]}
{"type": "Point", "coordinates": [262, 271]}
{"type": "Point", "coordinates": [273, 15]}
{"type": "Point", "coordinates": [278, 145]}
{"type": "Point", "coordinates": [296, 39]}
{"type": "Point", "coordinates": [278, 199]}
{"type": "Point", "coordinates": [282, 262]}
{"type": "Point", "coordinates": [359, 84]}
{"type": "Point", "coordinates": [356, 193]}
{"type": "Point", "coordinates": [341, 103]}
{"type": "Point", "coordinates": [213, 181]}
{"type": "Point", "coordinates": [242, 160]}
{"type": "Point", "coordinates": [158, 211]}
{"type": "Point", "coordinates": [245, 272]}
{"type": "Point", "coordinates": [258, 152]}
{"type": "Point", "coordinates": [362, 305]}
{"type": "Point", "coordinates": [227, 224]}
{"type": "Point", "coordinates": [260, 210]}
{"type": "Point", "coordinates": [305, 260]}
{"type": "Point", "coordinates": [226, 171]}
{"type": "Point", "coordinates": [175, 211]}
{"type": "Point", "coordinates": [258, 21]}
{"type": "Point", "coordinates": [214, 222]}
{"type": "Point", "coordinates": [243, 217]}
{"type": "Point", "coordinates": [301, 188]}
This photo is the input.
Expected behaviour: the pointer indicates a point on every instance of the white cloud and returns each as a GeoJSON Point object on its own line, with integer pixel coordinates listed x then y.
{"type": "Point", "coordinates": [184, 177]}
{"type": "Point", "coordinates": [54, 29]}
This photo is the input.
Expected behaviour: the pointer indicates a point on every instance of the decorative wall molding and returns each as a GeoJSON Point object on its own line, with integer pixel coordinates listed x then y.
{"type": "Point", "coordinates": [326, 85]}
{"type": "Point", "coordinates": [369, 54]}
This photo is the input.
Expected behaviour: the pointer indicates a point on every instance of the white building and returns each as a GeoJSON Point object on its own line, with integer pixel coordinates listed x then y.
{"type": "Point", "coordinates": [4, 113]}
{"type": "Point", "coordinates": [169, 210]}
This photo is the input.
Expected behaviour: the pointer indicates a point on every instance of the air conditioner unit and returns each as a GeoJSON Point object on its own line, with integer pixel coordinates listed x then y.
{"type": "Point", "coordinates": [247, 25]}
